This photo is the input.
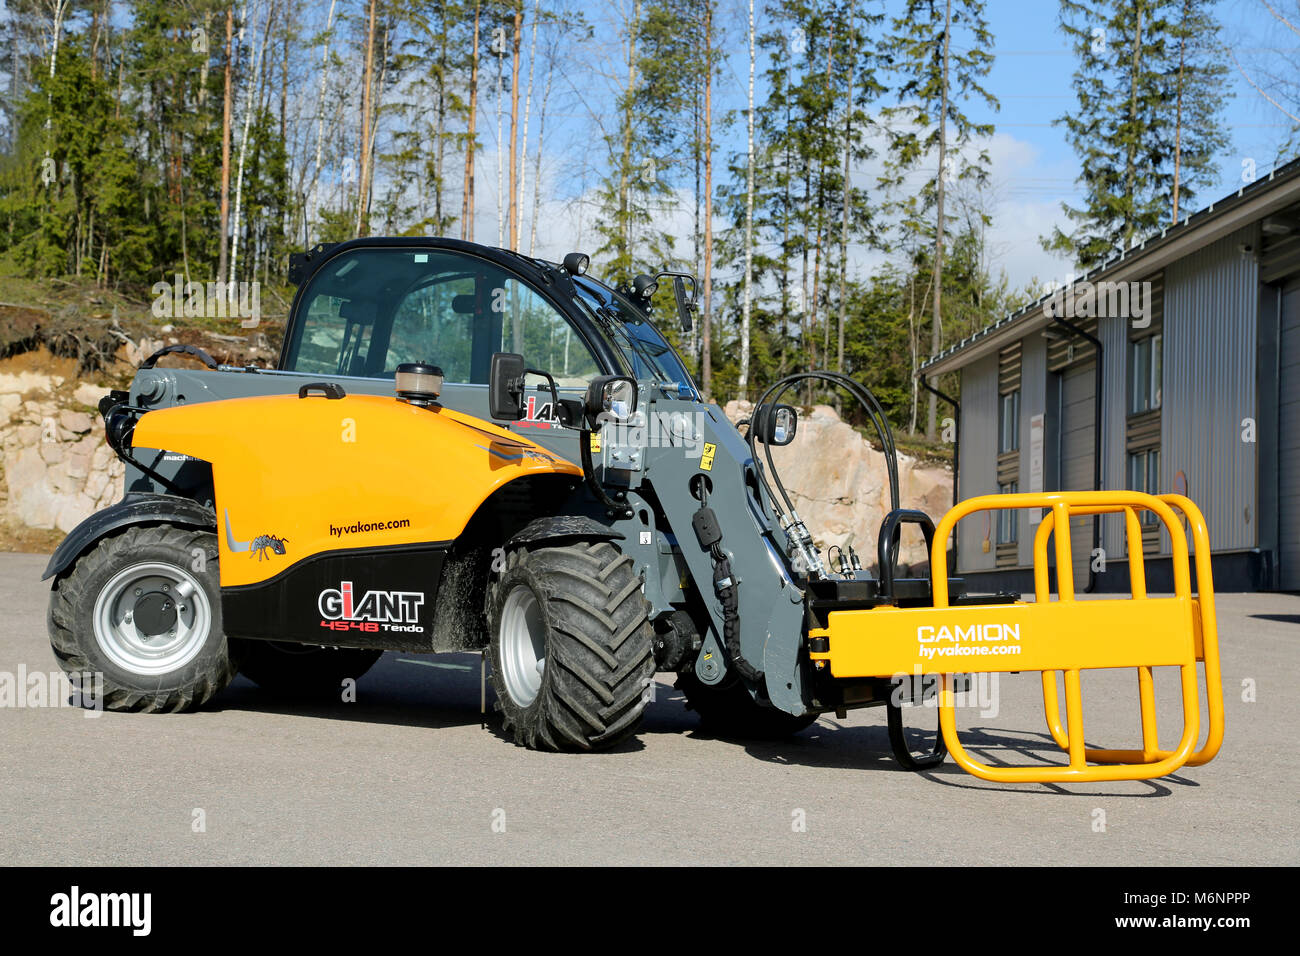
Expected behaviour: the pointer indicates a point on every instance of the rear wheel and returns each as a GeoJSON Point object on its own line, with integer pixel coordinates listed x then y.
{"type": "Point", "coordinates": [143, 608]}
{"type": "Point", "coordinates": [571, 646]}
{"type": "Point", "coordinates": [728, 710]}
{"type": "Point", "coordinates": [302, 669]}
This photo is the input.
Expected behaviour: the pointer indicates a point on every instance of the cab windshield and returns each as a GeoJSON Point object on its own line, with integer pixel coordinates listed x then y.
{"type": "Point", "coordinates": [644, 349]}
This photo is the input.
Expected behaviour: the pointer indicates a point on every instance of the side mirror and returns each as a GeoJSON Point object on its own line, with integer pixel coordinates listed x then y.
{"type": "Point", "coordinates": [506, 386]}
{"type": "Point", "coordinates": [684, 305]}
{"type": "Point", "coordinates": [613, 396]}
{"type": "Point", "coordinates": [774, 424]}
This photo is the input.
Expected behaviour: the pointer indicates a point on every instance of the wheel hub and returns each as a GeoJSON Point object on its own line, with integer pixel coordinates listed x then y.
{"type": "Point", "coordinates": [152, 618]}
{"type": "Point", "coordinates": [154, 615]}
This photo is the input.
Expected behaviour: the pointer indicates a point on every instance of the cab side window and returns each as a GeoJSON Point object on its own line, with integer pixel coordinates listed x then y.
{"type": "Point", "coordinates": [369, 310]}
{"type": "Point", "coordinates": [546, 340]}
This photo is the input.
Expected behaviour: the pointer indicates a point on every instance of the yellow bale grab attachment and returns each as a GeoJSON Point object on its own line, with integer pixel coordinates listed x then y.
{"type": "Point", "coordinates": [1065, 635]}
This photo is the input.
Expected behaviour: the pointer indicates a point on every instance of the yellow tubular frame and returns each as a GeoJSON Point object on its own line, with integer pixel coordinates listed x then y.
{"type": "Point", "coordinates": [1116, 765]}
{"type": "Point", "coordinates": [1207, 643]}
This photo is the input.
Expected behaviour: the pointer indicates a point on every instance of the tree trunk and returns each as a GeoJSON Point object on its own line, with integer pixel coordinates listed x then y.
{"type": "Point", "coordinates": [706, 323]}
{"type": "Point", "coordinates": [440, 130]}
{"type": "Point", "coordinates": [848, 192]}
{"type": "Point", "coordinates": [537, 165]}
{"type": "Point", "coordinates": [363, 184]}
{"type": "Point", "coordinates": [936, 325]}
{"type": "Point", "coordinates": [1178, 121]}
{"type": "Point", "coordinates": [624, 172]}
{"type": "Point", "coordinates": [249, 110]}
{"type": "Point", "coordinates": [223, 259]}
{"type": "Point", "coordinates": [203, 67]}
{"type": "Point", "coordinates": [523, 148]}
{"type": "Point", "coordinates": [514, 125]}
{"type": "Point", "coordinates": [747, 296]}
{"type": "Point", "coordinates": [499, 46]}
{"type": "Point", "coordinates": [467, 195]}
{"type": "Point", "coordinates": [320, 113]}
{"type": "Point", "coordinates": [1130, 152]}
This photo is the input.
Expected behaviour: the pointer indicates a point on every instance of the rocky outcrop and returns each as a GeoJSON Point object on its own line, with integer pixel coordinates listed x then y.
{"type": "Point", "coordinates": [57, 467]}
{"type": "Point", "coordinates": [840, 487]}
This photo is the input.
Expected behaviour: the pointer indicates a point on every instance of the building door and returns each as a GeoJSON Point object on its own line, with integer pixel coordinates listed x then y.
{"type": "Point", "coordinates": [1288, 452]}
{"type": "Point", "coordinates": [1078, 405]}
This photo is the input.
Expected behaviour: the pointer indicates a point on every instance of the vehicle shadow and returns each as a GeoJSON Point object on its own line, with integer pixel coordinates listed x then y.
{"type": "Point", "coordinates": [441, 691]}
{"type": "Point", "coordinates": [829, 745]}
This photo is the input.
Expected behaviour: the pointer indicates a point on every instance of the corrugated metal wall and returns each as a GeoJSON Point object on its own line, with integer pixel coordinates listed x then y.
{"type": "Point", "coordinates": [1288, 458]}
{"type": "Point", "coordinates": [1211, 299]}
{"type": "Point", "coordinates": [979, 458]}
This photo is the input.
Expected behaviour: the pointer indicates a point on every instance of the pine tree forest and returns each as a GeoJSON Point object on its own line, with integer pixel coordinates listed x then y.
{"type": "Point", "coordinates": [820, 165]}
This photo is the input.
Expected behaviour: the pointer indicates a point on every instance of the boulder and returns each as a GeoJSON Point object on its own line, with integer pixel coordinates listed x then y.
{"type": "Point", "coordinates": [840, 486]}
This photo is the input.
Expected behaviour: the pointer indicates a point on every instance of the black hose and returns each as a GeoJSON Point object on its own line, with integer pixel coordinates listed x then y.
{"type": "Point", "coordinates": [863, 395]}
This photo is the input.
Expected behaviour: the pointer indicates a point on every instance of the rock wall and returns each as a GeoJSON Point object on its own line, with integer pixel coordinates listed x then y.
{"type": "Point", "coordinates": [839, 485]}
{"type": "Point", "coordinates": [57, 467]}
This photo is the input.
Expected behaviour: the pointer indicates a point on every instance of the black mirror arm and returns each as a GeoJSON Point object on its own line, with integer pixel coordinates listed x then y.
{"type": "Point", "coordinates": [550, 381]}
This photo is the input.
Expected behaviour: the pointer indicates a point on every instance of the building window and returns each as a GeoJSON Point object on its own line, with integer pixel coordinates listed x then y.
{"type": "Point", "coordinates": [1008, 523]}
{"type": "Point", "coordinates": [1144, 475]}
{"type": "Point", "coordinates": [1145, 374]}
{"type": "Point", "coordinates": [1009, 422]}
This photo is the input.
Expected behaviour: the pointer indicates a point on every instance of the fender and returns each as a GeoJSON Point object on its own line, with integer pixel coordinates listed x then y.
{"type": "Point", "coordinates": [562, 527]}
{"type": "Point", "coordinates": [134, 508]}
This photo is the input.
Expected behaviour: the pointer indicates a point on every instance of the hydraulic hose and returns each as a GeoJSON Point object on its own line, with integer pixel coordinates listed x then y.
{"type": "Point", "coordinates": [865, 397]}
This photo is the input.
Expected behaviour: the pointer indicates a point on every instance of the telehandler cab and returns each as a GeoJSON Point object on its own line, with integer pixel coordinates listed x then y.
{"type": "Point", "coordinates": [548, 485]}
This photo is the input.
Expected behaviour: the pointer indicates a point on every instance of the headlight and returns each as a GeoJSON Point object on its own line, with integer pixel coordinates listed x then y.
{"type": "Point", "coordinates": [611, 396]}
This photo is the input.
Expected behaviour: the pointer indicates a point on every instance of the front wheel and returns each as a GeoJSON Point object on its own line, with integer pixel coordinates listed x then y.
{"type": "Point", "coordinates": [142, 608]}
{"type": "Point", "coordinates": [571, 646]}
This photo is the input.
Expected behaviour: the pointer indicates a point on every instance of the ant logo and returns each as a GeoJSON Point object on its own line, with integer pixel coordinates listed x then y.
{"type": "Point", "coordinates": [259, 546]}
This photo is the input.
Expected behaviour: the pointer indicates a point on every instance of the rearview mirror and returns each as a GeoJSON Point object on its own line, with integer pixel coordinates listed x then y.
{"type": "Point", "coordinates": [774, 425]}
{"type": "Point", "coordinates": [684, 305]}
{"type": "Point", "coordinates": [506, 386]}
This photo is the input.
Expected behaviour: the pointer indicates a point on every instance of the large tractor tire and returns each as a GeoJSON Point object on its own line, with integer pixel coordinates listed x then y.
{"type": "Point", "coordinates": [571, 646]}
{"type": "Point", "coordinates": [727, 710]}
{"type": "Point", "coordinates": [143, 608]}
{"type": "Point", "coordinates": [302, 670]}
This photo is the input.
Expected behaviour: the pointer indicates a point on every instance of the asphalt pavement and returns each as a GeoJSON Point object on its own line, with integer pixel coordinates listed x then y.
{"type": "Point", "coordinates": [409, 774]}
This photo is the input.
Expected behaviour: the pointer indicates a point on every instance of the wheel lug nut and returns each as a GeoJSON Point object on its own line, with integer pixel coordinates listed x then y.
{"type": "Point", "coordinates": [139, 591]}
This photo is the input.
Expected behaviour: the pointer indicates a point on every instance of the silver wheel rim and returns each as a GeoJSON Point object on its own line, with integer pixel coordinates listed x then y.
{"type": "Point", "coordinates": [523, 645]}
{"type": "Point", "coordinates": [152, 618]}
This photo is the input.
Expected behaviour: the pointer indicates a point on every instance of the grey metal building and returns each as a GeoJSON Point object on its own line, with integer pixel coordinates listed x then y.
{"type": "Point", "coordinates": [1180, 361]}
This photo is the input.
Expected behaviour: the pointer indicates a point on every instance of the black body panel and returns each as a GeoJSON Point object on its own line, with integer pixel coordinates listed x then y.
{"type": "Point", "coordinates": [364, 597]}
